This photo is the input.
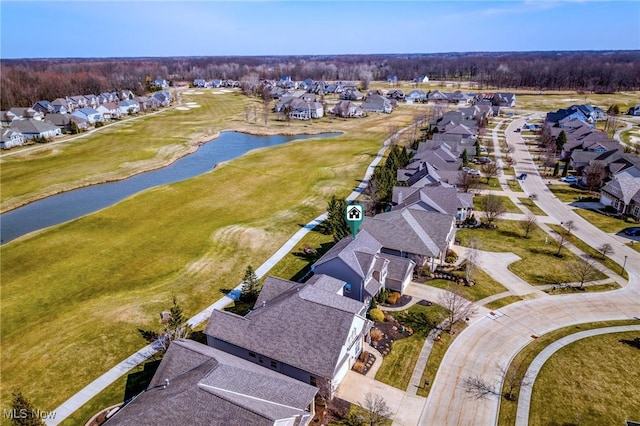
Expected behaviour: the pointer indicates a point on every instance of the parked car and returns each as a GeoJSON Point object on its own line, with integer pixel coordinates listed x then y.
{"type": "Point", "coordinates": [634, 232]}
{"type": "Point", "coordinates": [522, 176]}
{"type": "Point", "coordinates": [518, 130]}
{"type": "Point", "coordinates": [474, 172]}
{"type": "Point", "coordinates": [569, 179]}
{"type": "Point", "coordinates": [484, 160]}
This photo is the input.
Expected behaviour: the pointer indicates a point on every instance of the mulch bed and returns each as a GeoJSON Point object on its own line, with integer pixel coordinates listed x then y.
{"type": "Point", "coordinates": [402, 301]}
{"type": "Point", "coordinates": [371, 358]}
{"type": "Point", "coordinates": [335, 411]}
{"type": "Point", "coordinates": [392, 331]}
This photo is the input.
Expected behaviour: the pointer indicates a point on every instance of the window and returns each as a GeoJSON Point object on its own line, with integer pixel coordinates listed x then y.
{"type": "Point", "coordinates": [252, 355]}
{"type": "Point", "coordinates": [274, 364]}
{"type": "Point", "coordinates": [312, 381]}
{"type": "Point", "coordinates": [347, 288]}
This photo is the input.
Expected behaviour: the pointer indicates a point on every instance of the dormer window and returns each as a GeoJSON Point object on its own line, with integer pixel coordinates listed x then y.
{"type": "Point", "coordinates": [347, 288]}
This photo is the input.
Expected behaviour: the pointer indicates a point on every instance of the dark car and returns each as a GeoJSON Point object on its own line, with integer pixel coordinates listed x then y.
{"type": "Point", "coordinates": [522, 176]}
{"type": "Point", "coordinates": [634, 232]}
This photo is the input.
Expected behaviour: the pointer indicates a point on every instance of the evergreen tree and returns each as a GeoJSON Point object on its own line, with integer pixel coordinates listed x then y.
{"type": "Point", "coordinates": [336, 224]}
{"type": "Point", "coordinates": [561, 140]}
{"type": "Point", "coordinates": [23, 412]}
{"type": "Point", "coordinates": [477, 145]}
{"type": "Point", "coordinates": [177, 326]}
{"type": "Point", "coordinates": [250, 285]}
{"type": "Point", "coordinates": [465, 158]}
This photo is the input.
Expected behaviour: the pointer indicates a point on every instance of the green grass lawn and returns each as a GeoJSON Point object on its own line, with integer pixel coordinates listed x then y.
{"type": "Point", "coordinates": [74, 295]}
{"type": "Point", "coordinates": [593, 380]}
{"type": "Point", "coordinates": [297, 263]}
{"type": "Point", "coordinates": [485, 286]}
{"type": "Point", "coordinates": [634, 245]}
{"type": "Point", "coordinates": [397, 367]}
{"type": "Point", "coordinates": [500, 303]}
{"type": "Point", "coordinates": [532, 206]}
{"type": "Point", "coordinates": [594, 253]}
{"type": "Point", "coordinates": [605, 223]}
{"type": "Point", "coordinates": [514, 185]}
{"type": "Point", "coordinates": [523, 358]}
{"type": "Point", "coordinates": [568, 194]}
{"type": "Point", "coordinates": [533, 251]}
{"type": "Point", "coordinates": [479, 202]}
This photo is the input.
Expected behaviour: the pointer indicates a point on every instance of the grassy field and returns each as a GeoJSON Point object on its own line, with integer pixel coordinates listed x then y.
{"type": "Point", "coordinates": [74, 295]}
{"type": "Point", "coordinates": [533, 251]}
{"type": "Point", "coordinates": [507, 413]}
{"type": "Point", "coordinates": [548, 102]}
{"type": "Point", "coordinates": [590, 381]}
{"type": "Point", "coordinates": [485, 286]}
{"type": "Point", "coordinates": [397, 367]}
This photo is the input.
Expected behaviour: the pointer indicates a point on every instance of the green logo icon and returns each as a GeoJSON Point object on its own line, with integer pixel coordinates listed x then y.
{"type": "Point", "coordinates": [354, 213]}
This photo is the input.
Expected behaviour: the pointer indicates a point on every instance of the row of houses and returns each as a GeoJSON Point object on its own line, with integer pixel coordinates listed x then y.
{"type": "Point", "coordinates": [215, 83]}
{"type": "Point", "coordinates": [598, 159]}
{"type": "Point", "coordinates": [49, 119]}
{"type": "Point", "coordinates": [299, 340]}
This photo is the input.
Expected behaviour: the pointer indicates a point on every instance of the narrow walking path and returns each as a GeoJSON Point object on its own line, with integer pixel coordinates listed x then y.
{"type": "Point", "coordinates": [524, 400]}
{"type": "Point", "coordinates": [98, 385]}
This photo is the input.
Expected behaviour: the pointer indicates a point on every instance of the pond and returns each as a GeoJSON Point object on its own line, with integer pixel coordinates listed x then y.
{"type": "Point", "coordinates": [77, 203]}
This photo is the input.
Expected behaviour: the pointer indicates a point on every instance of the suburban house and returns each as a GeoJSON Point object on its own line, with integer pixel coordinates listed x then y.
{"type": "Point", "coordinates": [77, 102]}
{"type": "Point", "coordinates": [420, 79]}
{"type": "Point", "coordinates": [44, 107]}
{"type": "Point", "coordinates": [416, 96]}
{"type": "Point", "coordinates": [59, 120]}
{"type": "Point", "coordinates": [160, 82]}
{"type": "Point", "coordinates": [364, 268]}
{"type": "Point", "coordinates": [435, 198]}
{"type": "Point", "coordinates": [396, 94]}
{"type": "Point", "coordinates": [31, 128]}
{"type": "Point", "coordinates": [92, 101]}
{"type": "Point", "coordinates": [623, 192]}
{"type": "Point", "coordinates": [90, 115]}
{"type": "Point", "coordinates": [460, 98]}
{"type": "Point", "coordinates": [411, 232]}
{"type": "Point", "coordinates": [162, 97]}
{"type": "Point", "coordinates": [10, 138]}
{"type": "Point", "coordinates": [6, 118]}
{"type": "Point", "coordinates": [60, 106]}
{"type": "Point", "coordinates": [377, 103]}
{"type": "Point", "coordinates": [425, 161]}
{"type": "Point", "coordinates": [307, 331]}
{"type": "Point", "coordinates": [128, 107]}
{"type": "Point", "coordinates": [351, 95]}
{"type": "Point", "coordinates": [347, 109]}
{"type": "Point", "coordinates": [109, 110]}
{"type": "Point", "coordinates": [438, 97]}
{"type": "Point", "coordinates": [197, 384]}
{"type": "Point", "coordinates": [144, 102]}
{"type": "Point", "coordinates": [21, 113]}
{"type": "Point", "coordinates": [504, 99]}
{"type": "Point", "coordinates": [200, 82]}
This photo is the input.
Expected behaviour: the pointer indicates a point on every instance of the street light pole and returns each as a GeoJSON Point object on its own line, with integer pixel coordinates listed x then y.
{"type": "Point", "coordinates": [623, 265]}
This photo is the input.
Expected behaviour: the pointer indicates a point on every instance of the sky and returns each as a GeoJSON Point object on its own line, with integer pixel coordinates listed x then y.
{"type": "Point", "coordinates": [58, 29]}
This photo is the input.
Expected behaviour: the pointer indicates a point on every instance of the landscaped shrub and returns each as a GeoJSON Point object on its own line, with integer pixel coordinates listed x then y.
{"type": "Point", "coordinates": [376, 334]}
{"type": "Point", "coordinates": [451, 256]}
{"type": "Point", "coordinates": [393, 298]}
{"type": "Point", "coordinates": [358, 366]}
{"type": "Point", "coordinates": [364, 356]}
{"type": "Point", "coordinates": [382, 297]}
{"type": "Point", "coordinates": [376, 315]}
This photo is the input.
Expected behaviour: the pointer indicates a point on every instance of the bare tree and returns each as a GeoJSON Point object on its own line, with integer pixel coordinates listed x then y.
{"type": "Point", "coordinates": [471, 264]}
{"type": "Point", "coordinates": [457, 306]}
{"type": "Point", "coordinates": [528, 224]}
{"type": "Point", "coordinates": [493, 208]}
{"type": "Point", "coordinates": [466, 182]}
{"type": "Point", "coordinates": [564, 234]}
{"type": "Point", "coordinates": [605, 249]}
{"type": "Point", "coordinates": [513, 380]}
{"type": "Point", "coordinates": [376, 409]}
{"type": "Point", "coordinates": [595, 173]}
{"type": "Point", "coordinates": [583, 271]}
{"type": "Point", "coordinates": [490, 170]}
{"type": "Point", "coordinates": [479, 388]}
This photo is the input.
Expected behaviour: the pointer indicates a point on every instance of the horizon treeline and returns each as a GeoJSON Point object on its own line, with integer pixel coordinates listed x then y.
{"type": "Point", "coordinates": [26, 81]}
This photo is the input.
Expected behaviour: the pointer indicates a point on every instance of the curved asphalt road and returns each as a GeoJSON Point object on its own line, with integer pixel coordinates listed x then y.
{"type": "Point", "coordinates": [489, 342]}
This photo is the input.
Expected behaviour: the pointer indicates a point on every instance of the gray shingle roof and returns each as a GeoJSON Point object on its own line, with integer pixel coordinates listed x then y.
{"type": "Point", "coordinates": [208, 386]}
{"type": "Point", "coordinates": [435, 198]}
{"type": "Point", "coordinates": [347, 248]}
{"type": "Point", "coordinates": [398, 267]}
{"type": "Point", "coordinates": [411, 231]}
{"type": "Point", "coordinates": [305, 326]}
{"type": "Point", "coordinates": [31, 126]}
